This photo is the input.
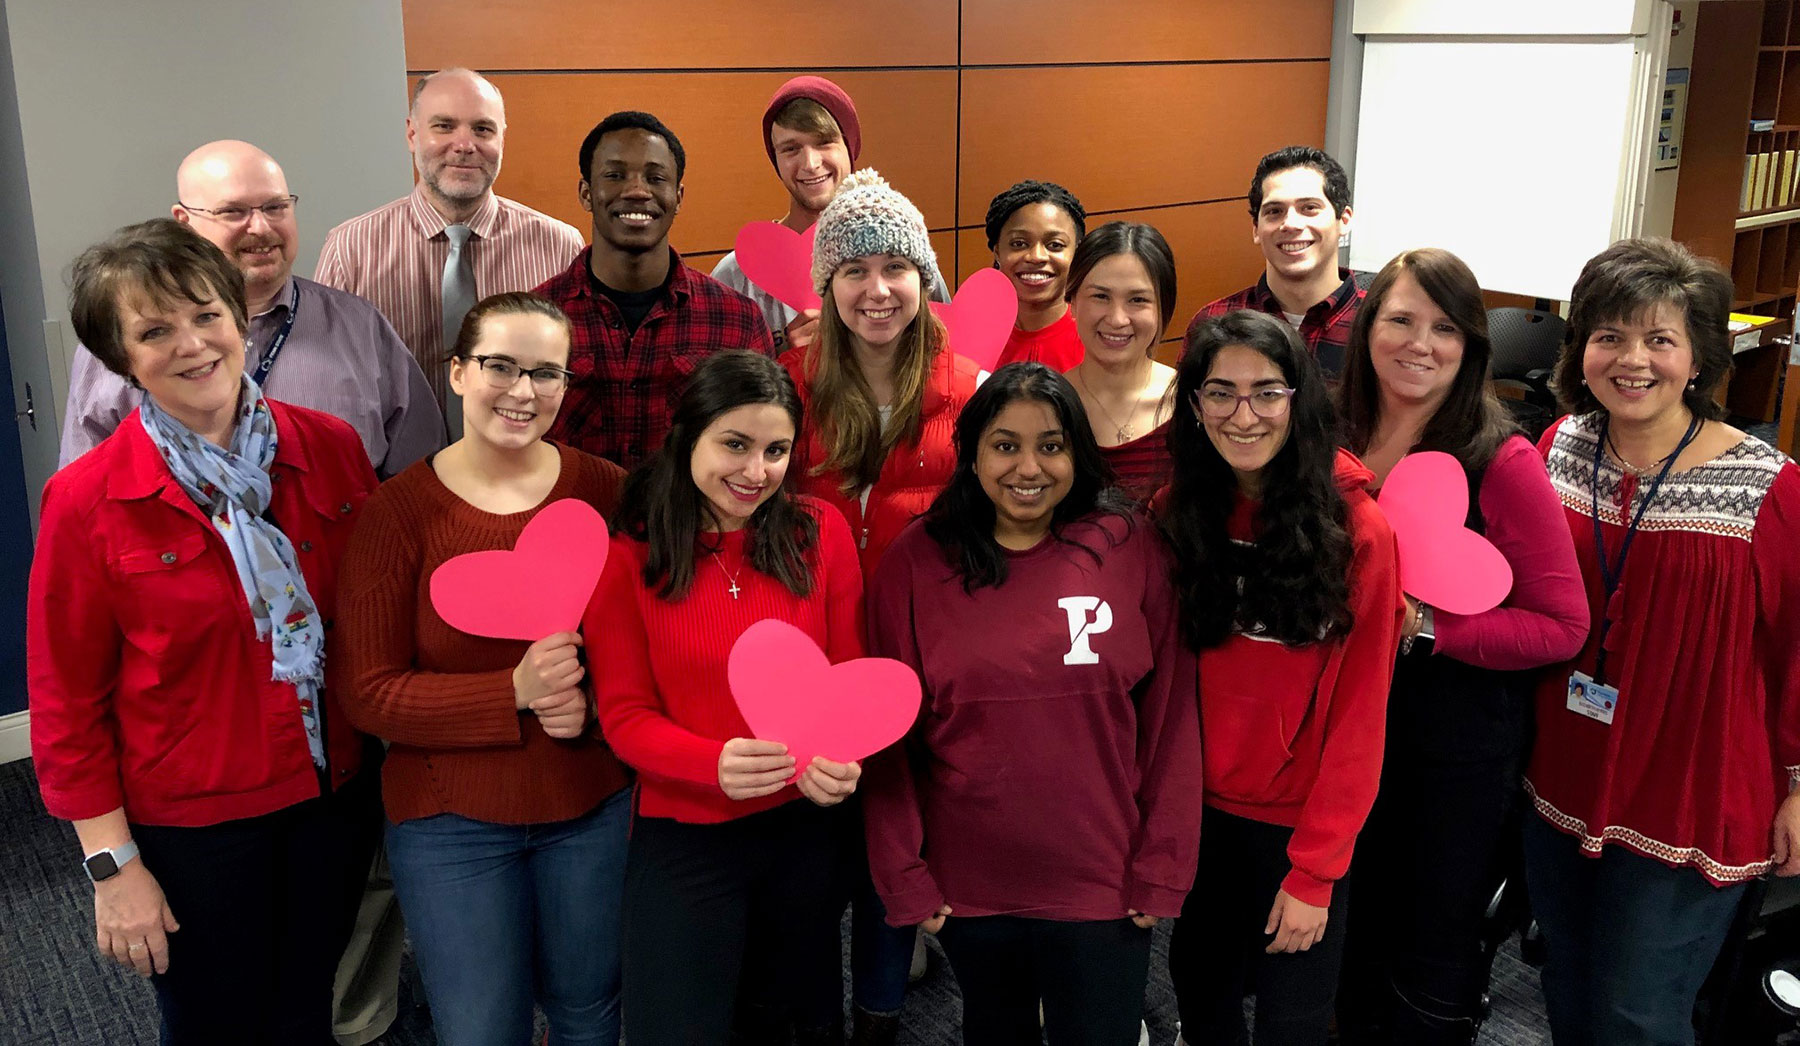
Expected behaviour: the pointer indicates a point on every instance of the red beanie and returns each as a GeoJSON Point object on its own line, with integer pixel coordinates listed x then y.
{"type": "Point", "coordinates": [827, 94]}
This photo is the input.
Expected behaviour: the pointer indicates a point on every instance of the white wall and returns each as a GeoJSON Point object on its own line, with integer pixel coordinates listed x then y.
{"type": "Point", "coordinates": [104, 97]}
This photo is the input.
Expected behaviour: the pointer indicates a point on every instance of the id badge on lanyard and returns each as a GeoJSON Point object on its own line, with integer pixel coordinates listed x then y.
{"type": "Point", "coordinates": [267, 363]}
{"type": "Point", "coordinates": [1591, 695]}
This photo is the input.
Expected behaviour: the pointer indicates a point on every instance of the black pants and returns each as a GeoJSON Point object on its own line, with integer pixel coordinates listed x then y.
{"type": "Point", "coordinates": [697, 895]}
{"type": "Point", "coordinates": [1089, 975]}
{"type": "Point", "coordinates": [266, 905]}
{"type": "Point", "coordinates": [1216, 955]}
{"type": "Point", "coordinates": [1427, 865]}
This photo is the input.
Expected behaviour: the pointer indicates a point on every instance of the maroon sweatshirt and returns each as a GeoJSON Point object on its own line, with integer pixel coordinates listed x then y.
{"type": "Point", "coordinates": [1055, 769]}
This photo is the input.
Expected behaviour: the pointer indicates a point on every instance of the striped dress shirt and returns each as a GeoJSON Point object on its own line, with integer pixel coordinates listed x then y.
{"type": "Point", "coordinates": [394, 256]}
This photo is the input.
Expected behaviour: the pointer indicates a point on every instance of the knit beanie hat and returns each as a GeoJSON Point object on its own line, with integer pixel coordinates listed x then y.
{"type": "Point", "coordinates": [867, 216]}
{"type": "Point", "coordinates": [827, 94]}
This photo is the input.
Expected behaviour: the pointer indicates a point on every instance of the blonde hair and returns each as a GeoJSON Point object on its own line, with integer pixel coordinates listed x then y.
{"type": "Point", "coordinates": [848, 420]}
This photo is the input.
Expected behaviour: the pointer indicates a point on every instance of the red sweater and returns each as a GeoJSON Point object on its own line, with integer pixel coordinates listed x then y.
{"type": "Point", "coordinates": [1056, 345]}
{"type": "Point", "coordinates": [1047, 777]}
{"type": "Point", "coordinates": [665, 705]}
{"type": "Point", "coordinates": [442, 696]}
{"type": "Point", "coordinates": [149, 688]}
{"type": "Point", "coordinates": [1293, 735]}
{"type": "Point", "coordinates": [914, 471]}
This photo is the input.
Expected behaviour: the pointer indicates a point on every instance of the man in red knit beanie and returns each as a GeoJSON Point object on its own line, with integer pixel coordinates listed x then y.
{"type": "Point", "coordinates": [813, 137]}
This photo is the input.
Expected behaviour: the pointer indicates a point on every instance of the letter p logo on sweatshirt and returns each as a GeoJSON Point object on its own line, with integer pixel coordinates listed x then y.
{"type": "Point", "coordinates": [1081, 630]}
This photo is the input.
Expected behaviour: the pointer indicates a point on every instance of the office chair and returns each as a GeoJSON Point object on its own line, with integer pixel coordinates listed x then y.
{"type": "Point", "coordinates": [1526, 343]}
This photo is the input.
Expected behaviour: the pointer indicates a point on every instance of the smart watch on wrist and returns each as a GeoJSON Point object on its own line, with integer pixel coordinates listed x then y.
{"type": "Point", "coordinates": [105, 864]}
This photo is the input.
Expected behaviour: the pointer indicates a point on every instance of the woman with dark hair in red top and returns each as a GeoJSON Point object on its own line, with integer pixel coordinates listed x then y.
{"type": "Point", "coordinates": [1045, 811]}
{"type": "Point", "coordinates": [186, 572]}
{"type": "Point", "coordinates": [506, 816]}
{"type": "Point", "coordinates": [708, 541]}
{"type": "Point", "coordinates": [1033, 228]}
{"type": "Point", "coordinates": [1122, 295]}
{"type": "Point", "coordinates": [1290, 592]}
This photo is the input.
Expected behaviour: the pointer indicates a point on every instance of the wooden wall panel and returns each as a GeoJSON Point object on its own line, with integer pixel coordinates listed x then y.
{"type": "Point", "coordinates": [1211, 243]}
{"type": "Point", "coordinates": [679, 34]}
{"type": "Point", "coordinates": [1002, 32]}
{"type": "Point", "coordinates": [909, 134]}
{"type": "Point", "coordinates": [1133, 136]}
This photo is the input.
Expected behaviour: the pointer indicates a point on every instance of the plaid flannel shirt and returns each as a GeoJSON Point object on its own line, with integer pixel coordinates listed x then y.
{"type": "Point", "coordinates": [1325, 328]}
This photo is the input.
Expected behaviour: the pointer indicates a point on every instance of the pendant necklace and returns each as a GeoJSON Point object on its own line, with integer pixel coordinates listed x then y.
{"type": "Point", "coordinates": [734, 590]}
{"type": "Point", "coordinates": [1123, 433]}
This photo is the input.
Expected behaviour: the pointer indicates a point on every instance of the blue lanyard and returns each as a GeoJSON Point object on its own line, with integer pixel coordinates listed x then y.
{"type": "Point", "coordinates": [1614, 572]}
{"type": "Point", "coordinates": [267, 363]}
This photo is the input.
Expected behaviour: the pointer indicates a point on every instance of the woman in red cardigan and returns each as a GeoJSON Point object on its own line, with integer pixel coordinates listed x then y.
{"type": "Point", "coordinates": [506, 816]}
{"type": "Point", "coordinates": [186, 573]}
{"type": "Point", "coordinates": [1290, 592]}
{"type": "Point", "coordinates": [882, 390]}
{"type": "Point", "coordinates": [728, 845]}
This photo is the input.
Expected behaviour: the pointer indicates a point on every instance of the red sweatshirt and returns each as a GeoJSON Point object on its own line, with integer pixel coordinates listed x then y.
{"type": "Point", "coordinates": [1293, 735]}
{"type": "Point", "coordinates": [913, 473]}
{"type": "Point", "coordinates": [1056, 345]}
{"type": "Point", "coordinates": [659, 666]}
{"type": "Point", "coordinates": [1049, 776]}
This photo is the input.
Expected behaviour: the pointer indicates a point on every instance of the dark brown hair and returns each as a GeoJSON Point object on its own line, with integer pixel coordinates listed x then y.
{"type": "Point", "coordinates": [510, 303]}
{"type": "Point", "coordinates": [161, 258]}
{"type": "Point", "coordinates": [1471, 423]}
{"type": "Point", "coordinates": [1626, 280]}
{"type": "Point", "coordinates": [809, 117]}
{"type": "Point", "coordinates": [1140, 241]}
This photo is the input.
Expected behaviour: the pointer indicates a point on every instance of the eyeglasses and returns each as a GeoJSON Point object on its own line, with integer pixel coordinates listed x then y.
{"type": "Point", "coordinates": [1268, 402]}
{"type": "Point", "coordinates": [503, 373]}
{"type": "Point", "coordinates": [274, 211]}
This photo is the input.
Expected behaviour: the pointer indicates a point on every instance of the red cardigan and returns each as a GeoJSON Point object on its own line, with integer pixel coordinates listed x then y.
{"type": "Point", "coordinates": [659, 675]}
{"type": "Point", "coordinates": [1293, 735]}
{"type": "Point", "coordinates": [149, 689]}
{"type": "Point", "coordinates": [913, 473]}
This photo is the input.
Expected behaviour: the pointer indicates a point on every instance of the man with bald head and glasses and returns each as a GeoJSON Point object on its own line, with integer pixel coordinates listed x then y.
{"type": "Point", "coordinates": [308, 344]}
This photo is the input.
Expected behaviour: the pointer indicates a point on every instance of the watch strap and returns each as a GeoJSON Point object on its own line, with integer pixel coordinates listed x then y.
{"type": "Point", "coordinates": [104, 864]}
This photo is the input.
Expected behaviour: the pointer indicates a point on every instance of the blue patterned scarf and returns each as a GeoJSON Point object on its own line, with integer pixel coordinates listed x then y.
{"type": "Point", "coordinates": [233, 487]}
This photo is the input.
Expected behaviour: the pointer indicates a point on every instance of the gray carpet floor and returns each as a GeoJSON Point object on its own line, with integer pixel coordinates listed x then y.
{"type": "Point", "coordinates": [56, 991]}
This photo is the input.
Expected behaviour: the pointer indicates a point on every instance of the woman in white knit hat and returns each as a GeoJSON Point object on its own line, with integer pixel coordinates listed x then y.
{"type": "Point", "coordinates": [882, 391]}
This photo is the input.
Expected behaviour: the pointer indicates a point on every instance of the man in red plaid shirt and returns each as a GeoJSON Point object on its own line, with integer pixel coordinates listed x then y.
{"type": "Point", "coordinates": [1299, 206]}
{"type": "Point", "coordinates": [641, 319]}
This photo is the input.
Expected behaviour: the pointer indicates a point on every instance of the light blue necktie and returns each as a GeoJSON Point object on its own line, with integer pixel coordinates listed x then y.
{"type": "Point", "coordinates": [459, 298]}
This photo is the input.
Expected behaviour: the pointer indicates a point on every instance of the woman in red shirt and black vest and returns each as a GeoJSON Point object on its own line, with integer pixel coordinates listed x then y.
{"type": "Point", "coordinates": [1290, 592]}
{"type": "Point", "coordinates": [186, 573]}
{"type": "Point", "coordinates": [882, 390]}
{"type": "Point", "coordinates": [708, 541]}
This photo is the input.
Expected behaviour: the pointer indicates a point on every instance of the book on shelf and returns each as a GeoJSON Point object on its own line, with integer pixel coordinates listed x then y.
{"type": "Point", "coordinates": [1761, 126]}
{"type": "Point", "coordinates": [1771, 180]}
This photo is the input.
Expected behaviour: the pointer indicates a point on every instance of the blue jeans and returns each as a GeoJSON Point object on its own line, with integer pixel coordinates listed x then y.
{"type": "Point", "coordinates": [502, 915]}
{"type": "Point", "coordinates": [1628, 940]}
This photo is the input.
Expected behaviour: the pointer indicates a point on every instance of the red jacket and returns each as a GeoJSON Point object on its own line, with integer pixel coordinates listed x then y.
{"type": "Point", "coordinates": [149, 689]}
{"type": "Point", "coordinates": [913, 473]}
{"type": "Point", "coordinates": [1292, 735]}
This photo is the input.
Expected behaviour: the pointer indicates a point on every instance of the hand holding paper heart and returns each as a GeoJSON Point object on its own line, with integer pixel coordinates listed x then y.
{"type": "Point", "coordinates": [980, 317]}
{"type": "Point", "coordinates": [1442, 562]}
{"type": "Point", "coordinates": [779, 260]}
{"type": "Point", "coordinates": [538, 588]}
{"type": "Point", "coordinates": [789, 692]}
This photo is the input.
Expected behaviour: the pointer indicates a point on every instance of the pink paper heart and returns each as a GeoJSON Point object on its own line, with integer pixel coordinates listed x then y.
{"type": "Point", "coordinates": [980, 317]}
{"type": "Point", "coordinates": [789, 692]}
{"type": "Point", "coordinates": [539, 588]}
{"type": "Point", "coordinates": [1442, 563]}
{"type": "Point", "coordinates": [779, 260]}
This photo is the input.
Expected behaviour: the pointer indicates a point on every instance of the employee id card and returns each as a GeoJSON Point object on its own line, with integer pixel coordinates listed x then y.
{"type": "Point", "coordinates": [1597, 701]}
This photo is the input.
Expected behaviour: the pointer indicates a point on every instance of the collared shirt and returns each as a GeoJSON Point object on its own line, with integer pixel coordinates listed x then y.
{"type": "Point", "coordinates": [394, 256]}
{"type": "Point", "coordinates": [1325, 328]}
{"type": "Point", "coordinates": [625, 384]}
{"type": "Point", "coordinates": [341, 358]}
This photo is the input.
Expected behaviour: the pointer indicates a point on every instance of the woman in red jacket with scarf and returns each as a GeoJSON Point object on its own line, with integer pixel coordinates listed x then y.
{"type": "Point", "coordinates": [1290, 592]}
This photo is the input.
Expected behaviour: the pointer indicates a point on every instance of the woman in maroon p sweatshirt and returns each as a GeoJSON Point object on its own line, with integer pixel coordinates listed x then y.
{"type": "Point", "coordinates": [1044, 812]}
{"type": "Point", "coordinates": [1290, 592]}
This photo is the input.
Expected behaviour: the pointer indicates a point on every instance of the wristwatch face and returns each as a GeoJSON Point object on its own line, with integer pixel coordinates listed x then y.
{"type": "Point", "coordinates": [102, 866]}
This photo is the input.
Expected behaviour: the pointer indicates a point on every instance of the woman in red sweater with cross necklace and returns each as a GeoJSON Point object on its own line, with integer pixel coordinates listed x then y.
{"type": "Point", "coordinates": [708, 541]}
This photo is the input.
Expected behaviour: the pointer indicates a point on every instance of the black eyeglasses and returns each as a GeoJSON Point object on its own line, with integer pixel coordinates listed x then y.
{"type": "Point", "coordinates": [503, 373]}
{"type": "Point", "coordinates": [274, 211]}
{"type": "Point", "coordinates": [1268, 402]}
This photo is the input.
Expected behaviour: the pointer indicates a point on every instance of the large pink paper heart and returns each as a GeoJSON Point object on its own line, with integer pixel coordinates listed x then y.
{"type": "Point", "coordinates": [537, 589]}
{"type": "Point", "coordinates": [789, 692]}
{"type": "Point", "coordinates": [1442, 563]}
{"type": "Point", "coordinates": [779, 260]}
{"type": "Point", "coordinates": [980, 317]}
